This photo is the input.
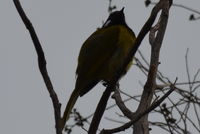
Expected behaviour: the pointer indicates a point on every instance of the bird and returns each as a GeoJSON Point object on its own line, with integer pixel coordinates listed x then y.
{"type": "Point", "coordinates": [101, 55]}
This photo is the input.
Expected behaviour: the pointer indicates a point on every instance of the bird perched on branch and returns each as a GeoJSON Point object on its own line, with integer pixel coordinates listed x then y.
{"type": "Point", "coordinates": [101, 55]}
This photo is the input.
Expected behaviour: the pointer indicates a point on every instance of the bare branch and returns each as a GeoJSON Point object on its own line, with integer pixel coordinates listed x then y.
{"type": "Point", "coordinates": [121, 105]}
{"type": "Point", "coordinates": [187, 69]}
{"type": "Point", "coordinates": [42, 65]}
{"type": "Point", "coordinates": [100, 109]}
{"type": "Point", "coordinates": [140, 115]}
{"type": "Point", "coordinates": [187, 8]}
{"type": "Point", "coordinates": [192, 17]}
{"type": "Point", "coordinates": [176, 123]}
{"type": "Point", "coordinates": [116, 121]}
{"type": "Point", "coordinates": [181, 6]}
{"type": "Point", "coordinates": [150, 84]}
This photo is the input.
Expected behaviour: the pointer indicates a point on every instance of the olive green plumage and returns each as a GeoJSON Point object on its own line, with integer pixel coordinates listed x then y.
{"type": "Point", "coordinates": [101, 55]}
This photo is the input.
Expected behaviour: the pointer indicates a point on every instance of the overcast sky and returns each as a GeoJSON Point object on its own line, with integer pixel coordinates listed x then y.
{"type": "Point", "coordinates": [62, 26]}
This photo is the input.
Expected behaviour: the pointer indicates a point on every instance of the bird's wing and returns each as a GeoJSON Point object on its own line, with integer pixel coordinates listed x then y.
{"type": "Point", "coordinates": [93, 57]}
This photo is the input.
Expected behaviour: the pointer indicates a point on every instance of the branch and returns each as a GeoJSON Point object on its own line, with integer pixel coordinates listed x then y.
{"type": "Point", "coordinates": [151, 83]}
{"type": "Point", "coordinates": [101, 106]}
{"type": "Point", "coordinates": [121, 105]}
{"type": "Point", "coordinates": [187, 69]}
{"type": "Point", "coordinates": [152, 107]}
{"type": "Point", "coordinates": [42, 65]}
{"type": "Point", "coordinates": [192, 17]}
{"type": "Point", "coordinates": [187, 8]}
{"type": "Point", "coordinates": [175, 123]}
{"type": "Point", "coordinates": [150, 86]}
{"type": "Point", "coordinates": [99, 111]}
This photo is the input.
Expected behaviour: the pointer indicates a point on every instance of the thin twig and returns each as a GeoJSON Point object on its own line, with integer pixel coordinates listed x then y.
{"type": "Point", "coordinates": [187, 8]}
{"type": "Point", "coordinates": [187, 69]}
{"type": "Point", "coordinates": [182, 6]}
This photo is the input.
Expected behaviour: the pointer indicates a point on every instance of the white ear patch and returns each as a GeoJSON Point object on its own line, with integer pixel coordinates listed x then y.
{"type": "Point", "coordinates": [106, 23]}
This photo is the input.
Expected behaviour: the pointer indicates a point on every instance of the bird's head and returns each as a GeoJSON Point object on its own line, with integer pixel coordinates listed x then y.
{"type": "Point", "coordinates": [115, 18]}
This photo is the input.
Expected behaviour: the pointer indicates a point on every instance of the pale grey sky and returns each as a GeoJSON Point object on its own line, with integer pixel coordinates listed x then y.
{"type": "Point", "coordinates": [62, 27]}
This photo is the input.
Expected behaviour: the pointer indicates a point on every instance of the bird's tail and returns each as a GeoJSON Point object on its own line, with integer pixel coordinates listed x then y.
{"type": "Point", "coordinates": [73, 98]}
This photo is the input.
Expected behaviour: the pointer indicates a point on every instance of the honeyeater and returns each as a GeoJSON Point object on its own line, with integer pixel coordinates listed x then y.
{"type": "Point", "coordinates": [101, 55]}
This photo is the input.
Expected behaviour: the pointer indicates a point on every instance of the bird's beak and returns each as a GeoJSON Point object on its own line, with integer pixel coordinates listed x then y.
{"type": "Point", "coordinates": [122, 10]}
